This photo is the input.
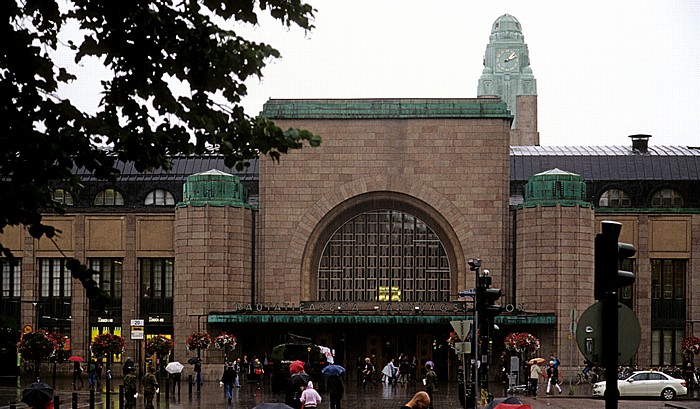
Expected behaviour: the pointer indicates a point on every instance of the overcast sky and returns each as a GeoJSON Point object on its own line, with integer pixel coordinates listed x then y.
{"type": "Point", "coordinates": [604, 69]}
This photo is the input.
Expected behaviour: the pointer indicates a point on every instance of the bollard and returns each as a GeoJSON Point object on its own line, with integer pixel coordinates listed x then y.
{"type": "Point", "coordinates": [74, 400]}
{"type": "Point", "coordinates": [167, 388]}
{"type": "Point", "coordinates": [13, 406]}
{"type": "Point", "coordinates": [121, 396]}
{"type": "Point", "coordinates": [92, 399]}
{"type": "Point", "coordinates": [56, 401]}
{"type": "Point", "coordinates": [189, 384]}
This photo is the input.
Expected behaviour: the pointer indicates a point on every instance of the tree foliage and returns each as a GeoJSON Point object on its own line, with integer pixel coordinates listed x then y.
{"type": "Point", "coordinates": [148, 45]}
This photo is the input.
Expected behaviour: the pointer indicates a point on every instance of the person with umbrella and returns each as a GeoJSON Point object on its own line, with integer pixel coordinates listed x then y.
{"type": "Point", "coordinates": [175, 370]}
{"type": "Point", "coordinates": [297, 382]}
{"type": "Point", "coordinates": [77, 374]}
{"type": "Point", "coordinates": [128, 366]}
{"type": "Point", "coordinates": [335, 384]}
{"type": "Point", "coordinates": [38, 395]}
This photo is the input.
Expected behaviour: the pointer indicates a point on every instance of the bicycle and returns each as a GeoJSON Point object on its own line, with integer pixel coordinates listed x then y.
{"type": "Point", "coordinates": [590, 377]}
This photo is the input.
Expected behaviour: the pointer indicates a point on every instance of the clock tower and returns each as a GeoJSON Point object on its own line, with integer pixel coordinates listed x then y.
{"type": "Point", "coordinates": [507, 75]}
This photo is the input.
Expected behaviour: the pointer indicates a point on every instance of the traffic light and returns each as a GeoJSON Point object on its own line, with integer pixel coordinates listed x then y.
{"type": "Point", "coordinates": [608, 252]}
{"type": "Point", "coordinates": [492, 309]}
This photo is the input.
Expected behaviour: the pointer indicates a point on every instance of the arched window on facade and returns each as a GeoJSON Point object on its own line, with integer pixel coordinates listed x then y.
{"type": "Point", "coordinates": [62, 196]}
{"type": "Point", "coordinates": [384, 255]}
{"type": "Point", "coordinates": [667, 198]}
{"type": "Point", "coordinates": [614, 198]}
{"type": "Point", "coordinates": [159, 197]}
{"type": "Point", "coordinates": [109, 197]}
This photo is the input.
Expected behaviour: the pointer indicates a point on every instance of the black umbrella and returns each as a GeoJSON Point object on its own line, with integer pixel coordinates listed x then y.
{"type": "Point", "coordinates": [275, 405]}
{"type": "Point", "coordinates": [192, 360]}
{"type": "Point", "coordinates": [37, 394]}
{"type": "Point", "coordinates": [300, 379]}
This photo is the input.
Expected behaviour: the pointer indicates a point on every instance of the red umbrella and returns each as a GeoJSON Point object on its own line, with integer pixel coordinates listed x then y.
{"type": "Point", "coordinates": [76, 358]}
{"type": "Point", "coordinates": [296, 367]}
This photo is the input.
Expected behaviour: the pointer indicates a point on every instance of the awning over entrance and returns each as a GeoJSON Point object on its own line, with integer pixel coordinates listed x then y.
{"type": "Point", "coordinates": [370, 319]}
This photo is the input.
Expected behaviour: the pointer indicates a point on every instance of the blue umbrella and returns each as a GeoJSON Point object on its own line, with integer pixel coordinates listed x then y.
{"type": "Point", "coordinates": [333, 369]}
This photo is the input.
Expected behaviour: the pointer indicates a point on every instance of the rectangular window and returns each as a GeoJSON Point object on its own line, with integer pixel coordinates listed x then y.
{"type": "Point", "coordinates": [10, 275]}
{"type": "Point", "coordinates": [108, 275]}
{"type": "Point", "coordinates": [156, 285]}
{"type": "Point", "coordinates": [668, 314]}
{"type": "Point", "coordinates": [54, 278]}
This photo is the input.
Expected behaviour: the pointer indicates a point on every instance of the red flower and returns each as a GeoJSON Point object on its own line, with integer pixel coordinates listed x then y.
{"type": "Point", "coordinates": [159, 345]}
{"type": "Point", "coordinates": [521, 341]}
{"type": "Point", "coordinates": [225, 341]}
{"type": "Point", "coordinates": [106, 344]}
{"type": "Point", "coordinates": [200, 340]}
{"type": "Point", "coordinates": [33, 346]}
{"type": "Point", "coordinates": [690, 345]}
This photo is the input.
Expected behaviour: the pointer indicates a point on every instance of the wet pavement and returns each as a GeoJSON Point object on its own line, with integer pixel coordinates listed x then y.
{"type": "Point", "coordinates": [379, 396]}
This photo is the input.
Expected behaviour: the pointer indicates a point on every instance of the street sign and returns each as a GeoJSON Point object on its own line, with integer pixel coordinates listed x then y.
{"type": "Point", "coordinates": [589, 333]}
{"type": "Point", "coordinates": [137, 323]}
{"type": "Point", "coordinates": [137, 332]}
{"type": "Point", "coordinates": [462, 328]}
{"type": "Point", "coordinates": [27, 328]}
{"type": "Point", "coordinates": [463, 347]}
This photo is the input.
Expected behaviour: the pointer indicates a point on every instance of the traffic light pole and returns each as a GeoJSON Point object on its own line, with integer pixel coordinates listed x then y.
{"type": "Point", "coordinates": [610, 348]}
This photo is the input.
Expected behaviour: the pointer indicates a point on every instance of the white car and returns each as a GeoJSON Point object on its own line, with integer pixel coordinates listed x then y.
{"type": "Point", "coordinates": [647, 383]}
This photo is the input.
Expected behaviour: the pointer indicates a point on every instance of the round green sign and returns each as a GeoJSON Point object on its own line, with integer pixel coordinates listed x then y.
{"type": "Point", "coordinates": [589, 333]}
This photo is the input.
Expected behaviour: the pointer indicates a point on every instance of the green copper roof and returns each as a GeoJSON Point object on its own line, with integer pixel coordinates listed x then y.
{"type": "Point", "coordinates": [555, 187]}
{"type": "Point", "coordinates": [214, 188]}
{"type": "Point", "coordinates": [385, 108]}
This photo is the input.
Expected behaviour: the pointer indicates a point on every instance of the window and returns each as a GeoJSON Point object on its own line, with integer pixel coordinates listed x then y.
{"type": "Point", "coordinates": [159, 197]}
{"type": "Point", "coordinates": [10, 276]}
{"type": "Point", "coordinates": [667, 198]}
{"type": "Point", "coordinates": [62, 196]}
{"type": "Point", "coordinates": [384, 255]}
{"type": "Point", "coordinates": [108, 275]}
{"type": "Point", "coordinates": [667, 310]}
{"type": "Point", "coordinates": [156, 285]}
{"type": "Point", "coordinates": [614, 198]}
{"type": "Point", "coordinates": [109, 197]}
{"type": "Point", "coordinates": [54, 279]}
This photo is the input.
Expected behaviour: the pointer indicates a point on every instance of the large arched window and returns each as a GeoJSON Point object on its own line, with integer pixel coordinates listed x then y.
{"type": "Point", "coordinates": [159, 197]}
{"type": "Point", "coordinates": [614, 198]}
{"type": "Point", "coordinates": [384, 255]}
{"type": "Point", "coordinates": [62, 196]}
{"type": "Point", "coordinates": [667, 198]}
{"type": "Point", "coordinates": [109, 197]}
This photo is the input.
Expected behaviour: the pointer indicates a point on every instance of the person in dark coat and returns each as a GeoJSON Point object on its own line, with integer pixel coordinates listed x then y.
{"type": "Point", "coordinates": [336, 387]}
{"type": "Point", "coordinates": [229, 380]}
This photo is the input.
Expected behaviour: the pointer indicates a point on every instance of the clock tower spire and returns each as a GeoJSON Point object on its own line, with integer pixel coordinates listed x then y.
{"type": "Point", "coordinates": [507, 74]}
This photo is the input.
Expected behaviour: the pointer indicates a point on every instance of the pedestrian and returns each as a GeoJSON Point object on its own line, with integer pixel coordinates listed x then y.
{"type": "Point", "coordinates": [389, 372]}
{"type": "Point", "coordinates": [198, 372]}
{"type": "Point", "coordinates": [336, 387]}
{"type": "Point", "coordinates": [130, 392]}
{"type": "Point", "coordinates": [77, 375]}
{"type": "Point", "coordinates": [245, 368]}
{"type": "Point", "coordinates": [98, 372]}
{"type": "Point", "coordinates": [553, 375]}
{"type": "Point", "coordinates": [430, 382]}
{"type": "Point", "coordinates": [228, 380]}
{"type": "Point", "coordinates": [535, 373]}
{"type": "Point", "coordinates": [359, 367]}
{"type": "Point", "coordinates": [414, 369]}
{"type": "Point", "coordinates": [150, 387]}
{"type": "Point", "coordinates": [128, 366]}
{"type": "Point", "coordinates": [237, 368]}
{"type": "Point", "coordinates": [92, 374]}
{"type": "Point", "coordinates": [368, 372]}
{"type": "Point", "coordinates": [310, 398]}
{"type": "Point", "coordinates": [404, 370]}
{"type": "Point", "coordinates": [258, 371]}
{"type": "Point", "coordinates": [295, 387]}
{"type": "Point", "coordinates": [177, 378]}
{"type": "Point", "coordinates": [421, 400]}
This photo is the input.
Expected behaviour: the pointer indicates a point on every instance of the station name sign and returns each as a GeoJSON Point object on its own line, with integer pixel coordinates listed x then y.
{"type": "Point", "coordinates": [328, 307]}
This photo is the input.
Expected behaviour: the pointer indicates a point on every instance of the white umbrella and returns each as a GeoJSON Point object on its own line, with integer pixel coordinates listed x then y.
{"type": "Point", "coordinates": [174, 367]}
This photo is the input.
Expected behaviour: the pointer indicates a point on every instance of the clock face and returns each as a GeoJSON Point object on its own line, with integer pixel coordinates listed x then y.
{"type": "Point", "coordinates": [507, 60]}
